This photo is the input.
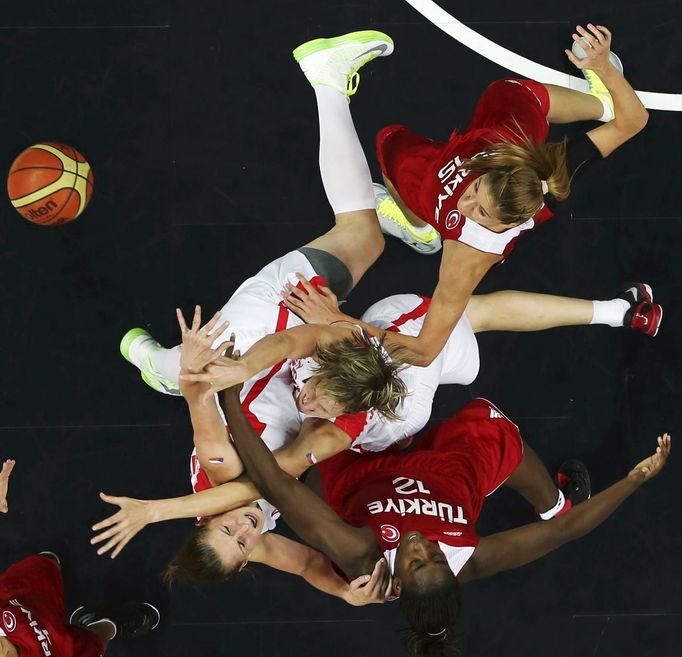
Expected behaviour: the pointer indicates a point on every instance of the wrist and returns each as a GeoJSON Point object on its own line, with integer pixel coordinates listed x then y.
{"type": "Point", "coordinates": [160, 510]}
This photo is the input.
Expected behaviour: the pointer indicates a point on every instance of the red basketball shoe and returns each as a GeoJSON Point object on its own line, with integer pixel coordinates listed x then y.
{"type": "Point", "coordinates": [644, 315]}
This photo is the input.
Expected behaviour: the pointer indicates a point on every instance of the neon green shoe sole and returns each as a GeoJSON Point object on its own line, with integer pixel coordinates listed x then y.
{"type": "Point", "coordinates": [364, 36]}
{"type": "Point", "coordinates": [128, 339]}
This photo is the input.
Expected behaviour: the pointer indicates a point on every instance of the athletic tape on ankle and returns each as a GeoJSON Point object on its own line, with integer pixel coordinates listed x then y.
{"type": "Point", "coordinates": [550, 513]}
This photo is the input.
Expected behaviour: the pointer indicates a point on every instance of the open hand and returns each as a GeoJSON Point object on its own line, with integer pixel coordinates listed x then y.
{"type": "Point", "coordinates": [133, 516]}
{"type": "Point", "coordinates": [370, 589]}
{"type": "Point", "coordinates": [313, 306]}
{"type": "Point", "coordinates": [596, 42]}
{"type": "Point", "coordinates": [6, 471]}
{"type": "Point", "coordinates": [651, 466]}
{"type": "Point", "coordinates": [196, 351]}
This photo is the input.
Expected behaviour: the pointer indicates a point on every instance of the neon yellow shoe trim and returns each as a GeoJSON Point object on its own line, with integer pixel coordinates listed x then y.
{"type": "Point", "coordinates": [389, 208]}
{"type": "Point", "coordinates": [363, 36]}
{"type": "Point", "coordinates": [128, 339]}
{"type": "Point", "coordinates": [598, 89]}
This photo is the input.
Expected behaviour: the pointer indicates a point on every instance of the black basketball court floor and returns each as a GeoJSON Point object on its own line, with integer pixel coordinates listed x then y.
{"type": "Point", "coordinates": [202, 134]}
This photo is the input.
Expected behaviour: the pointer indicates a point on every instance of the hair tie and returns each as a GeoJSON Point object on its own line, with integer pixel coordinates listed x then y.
{"type": "Point", "coordinates": [545, 187]}
{"type": "Point", "coordinates": [442, 632]}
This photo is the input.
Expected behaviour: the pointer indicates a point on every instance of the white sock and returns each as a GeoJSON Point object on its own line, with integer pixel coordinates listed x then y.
{"type": "Point", "coordinates": [422, 230]}
{"type": "Point", "coordinates": [608, 114]}
{"type": "Point", "coordinates": [343, 166]}
{"type": "Point", "coordinates": [609, 312]}
{"type": "Point", "coordinates": [550, 513]}
{"type": "Point", "coordinates": [166, 362]}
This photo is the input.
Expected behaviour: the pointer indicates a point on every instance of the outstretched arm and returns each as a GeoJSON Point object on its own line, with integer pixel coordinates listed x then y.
{"type": "Point", "coordinates": [631, 115]}
{"type": "Point", "coordinates": [6, 471]}
{"type": "Point", "coordinates": [297, 342]}
{"type": "Point", "coordinates": [350, 547]}
{"type": "Point", "coordinates": [292, 557]}
{"type": "Point", "coordinates": [461, 270]}
{"type": "Point", "coordinates": [517, 547]}
{"type": "Point", "coordinates": [318, 437]}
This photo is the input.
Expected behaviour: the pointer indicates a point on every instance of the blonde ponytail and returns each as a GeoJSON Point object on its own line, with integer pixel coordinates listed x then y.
{"type": "Point", "coordinates": [515, 173]}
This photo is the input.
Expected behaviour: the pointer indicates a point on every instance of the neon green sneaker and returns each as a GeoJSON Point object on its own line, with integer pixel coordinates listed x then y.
{"type": "Point", "coordinates": [597, 87]}
{"type": "Point", "coordinates": [394, 222]}
{"type": "Point", "coordinates": [136, 346]}
{"type": "Point", "coordinates": [335, 62]}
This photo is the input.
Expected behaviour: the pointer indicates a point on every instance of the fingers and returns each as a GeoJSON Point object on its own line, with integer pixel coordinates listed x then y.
{"type": "Point", "coordinates": [573, 59]}
{"type": "Point", "coordinates": [181, 321]}
{"type": "Point", "coordinates": [198, 377]}
{"type": "Point", "coordinates": [7, 468]}
{"type": "Point", "coordinates": [105, 548]}
{"type": "Point", "coordinates": [105, 535]}
{"type": "Point", "coordinates": [122, 544]}
{"type": "Point", "coordinates": [108, 522]}
{"type": "Point", "coordinates": [605, 31]}
{"type": "Point", "coordinates": [196, 320]}
{"type": "Point", "coordinates": [208, 329]}
{"type": "Point", "coordinates": [305, 283]}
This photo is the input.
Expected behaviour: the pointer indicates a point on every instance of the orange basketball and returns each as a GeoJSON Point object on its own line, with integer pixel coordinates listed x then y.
{"type": "Point", "coordinates": [50, 184]}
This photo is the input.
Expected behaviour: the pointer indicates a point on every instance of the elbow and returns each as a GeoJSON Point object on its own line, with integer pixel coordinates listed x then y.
{"type": "Point", "coordinates": [635, 124]}
{"type": "Point", "coordinates": [424, 360]}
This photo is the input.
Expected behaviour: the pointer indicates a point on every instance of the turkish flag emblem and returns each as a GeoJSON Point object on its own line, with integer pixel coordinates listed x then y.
{"type": "Point", "coordinates": [453, 219]}
{"type": "Point", "coordinates": [390, 533]}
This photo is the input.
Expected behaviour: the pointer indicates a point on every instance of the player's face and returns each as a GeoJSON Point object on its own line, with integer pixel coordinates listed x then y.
{"type": "Point", "coordinates": [419, 561]}
{"type": "Point", "coordinates": [233, 535]}
{"type": "Point", "coordinates": [312, 400]}
{"type": "Point", "coordinates": [476, 202]}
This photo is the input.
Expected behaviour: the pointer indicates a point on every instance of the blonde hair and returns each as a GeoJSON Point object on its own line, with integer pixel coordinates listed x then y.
{"type": "Point", "coordinates": [514, 174]}
{"type": "Point", "coordinates": [359, 373]}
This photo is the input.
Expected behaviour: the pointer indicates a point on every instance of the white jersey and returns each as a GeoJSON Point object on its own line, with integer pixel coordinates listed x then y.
{"type": "Point", "coordinates": [458, 362]}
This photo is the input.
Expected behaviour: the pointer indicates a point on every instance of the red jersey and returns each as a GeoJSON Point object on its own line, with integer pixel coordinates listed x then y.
{"type": "Point", "coordinates": [32, 613]}
{"type": "Point", "coordinates": [438, 489]}
{"type": "Point", "coordinates": [428, 174]}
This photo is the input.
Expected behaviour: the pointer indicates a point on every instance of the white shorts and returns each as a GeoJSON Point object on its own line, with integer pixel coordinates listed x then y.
{"type": "Point", "coordinates": [255, 311]}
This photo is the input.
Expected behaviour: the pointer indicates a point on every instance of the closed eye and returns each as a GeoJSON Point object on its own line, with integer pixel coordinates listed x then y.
{"type": "Point", "coordinates": [241, 545]}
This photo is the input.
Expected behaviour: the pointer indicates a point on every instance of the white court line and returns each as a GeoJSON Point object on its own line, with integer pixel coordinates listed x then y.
{"type": "Point", "coordinates": [521, 65]}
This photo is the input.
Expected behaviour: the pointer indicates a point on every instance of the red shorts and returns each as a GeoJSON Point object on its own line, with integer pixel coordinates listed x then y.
{"type": "Point", "coordinates": [32, 613]}
{"type": "Point", "coordinates": [466, 457]}
{"type": "Point", "coordinates": [411, 162]}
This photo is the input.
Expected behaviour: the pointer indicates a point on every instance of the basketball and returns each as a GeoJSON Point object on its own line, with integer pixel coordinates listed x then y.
{"type": "Point", "coordinates": [50, 184]}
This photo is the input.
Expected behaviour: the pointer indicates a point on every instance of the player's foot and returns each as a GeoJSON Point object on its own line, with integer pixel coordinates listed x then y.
{"type": "Point", "coordinates": [131, 619]}
{"type": "Point", "coordinates": [597, 87]}
{"type": "Point", "coordinates": [335, 62]}
{"type": "Point", "coordinates": [136, 347]}
{"type": "Point", "coordinates": [643, 315]}
{"type": "Point", "coordinates": [394, 222]}
{"type": "Point", "coordinates": [573, 480]}
{"type": "Point", "coordinates": [50, 555]}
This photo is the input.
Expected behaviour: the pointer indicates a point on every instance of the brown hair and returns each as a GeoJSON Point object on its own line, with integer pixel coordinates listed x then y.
{"type": "Point", "coordinates": [514, 174]}
{"type": "Point", "coordinates": [196, 562]}
{"type": "Point", "coordinates": [360, 373]}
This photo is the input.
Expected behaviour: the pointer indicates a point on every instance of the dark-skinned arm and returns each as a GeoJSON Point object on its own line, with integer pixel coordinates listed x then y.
{"type": "Point", "coordinates": [518, 547]}
{"type": "Point", "coordinates": [353, 549]}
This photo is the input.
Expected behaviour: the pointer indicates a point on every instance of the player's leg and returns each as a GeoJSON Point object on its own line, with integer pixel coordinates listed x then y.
{"type": "Point", "coordinates": [329, 64]}
{"type": "Point", "coordinates": [569, 105]}
{"type": "Point", "coordinates": [532, 481]}
{"type": "Point", "coordinates": [512, 310]}
{"type": "Point", "coordinates": [549, 499]}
